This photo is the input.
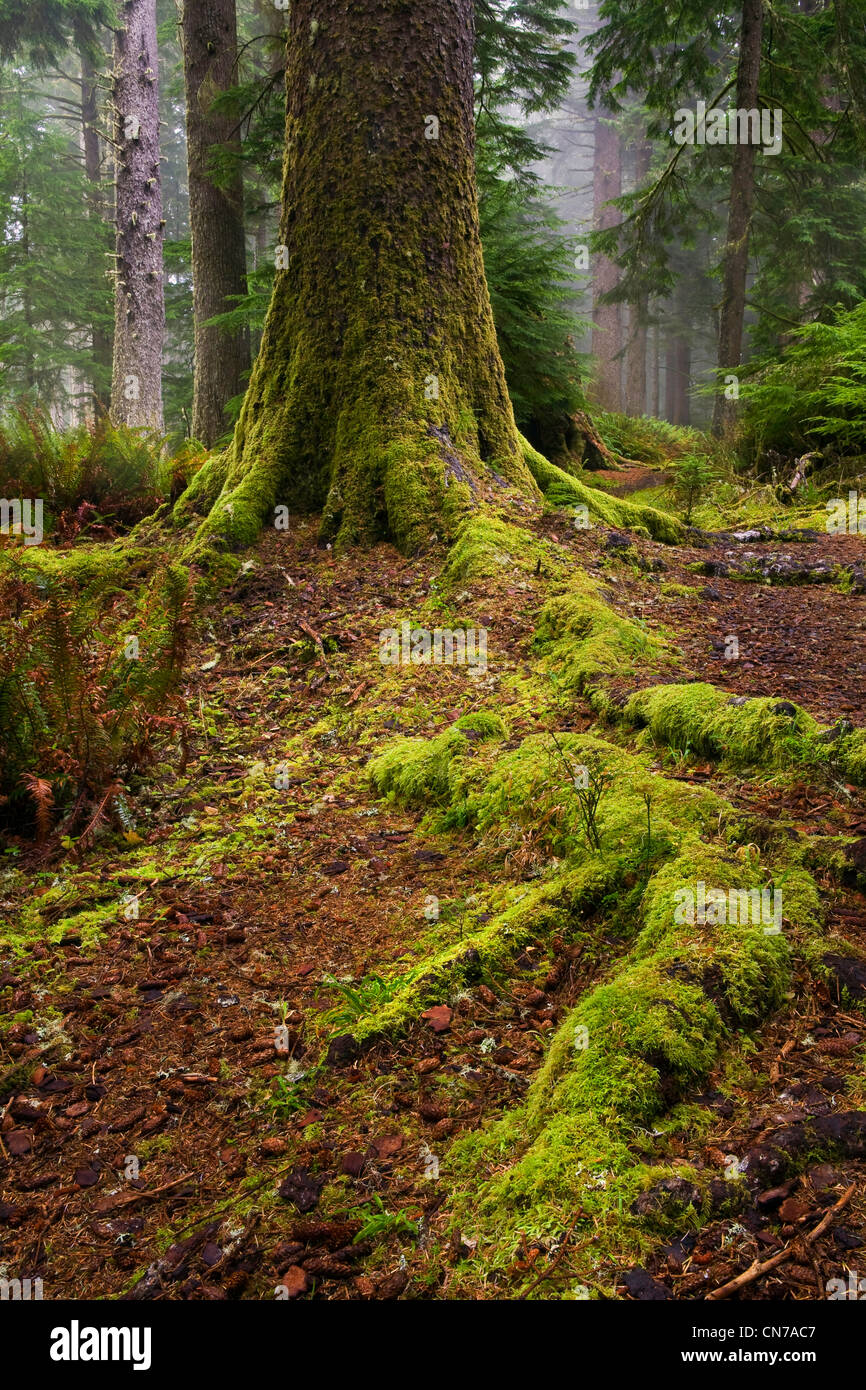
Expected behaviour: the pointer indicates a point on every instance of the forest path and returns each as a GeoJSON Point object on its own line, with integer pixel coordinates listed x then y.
{"type": "Point", "coordinates": [168, 1053]}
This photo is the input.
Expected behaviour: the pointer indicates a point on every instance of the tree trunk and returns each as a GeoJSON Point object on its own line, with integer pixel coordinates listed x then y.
{"type": "Point", "coordinates": [100, 339]}
{"type": "Point", "coordinates": [379, 393]}
{"type": "Point", "coordinates": [655, 381]}
{"type": "Point", "coordinates": [636, 351]}
{"type": "Point", "coordinates": [139, 305]}
{"type": "Point", "coordinates": [742, 197]}
{"type": "Point", "coordinates": [606, 318]}
{"type": "Point", "coordinates": [216, 214]}
{"type": "Point", "coordinates": [678, 363]}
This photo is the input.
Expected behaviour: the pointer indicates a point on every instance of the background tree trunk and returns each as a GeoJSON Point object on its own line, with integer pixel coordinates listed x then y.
{"type": "Point", "coordinates": [219, 266]}
{"type": "Point", "coordinates": [139, 305]}
{"type": "Point", "coordinates": [677, 372]}
{"type": "Point", "coordinates": [636, 351]}
{"type": "Point", "coordinates": [100, 339]}
{"type": "Point", "coordinates": [379, 393]}
{"type": "Point", "coordinates": [606, 318]}
{"type": "Point", "coordinates": [742, 197]}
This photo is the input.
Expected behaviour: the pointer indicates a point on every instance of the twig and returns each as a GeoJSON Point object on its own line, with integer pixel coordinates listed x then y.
{"type": "Point", "coordinates": [757, 1269]}
{"type": "Point", "coordinates": [545, 1274]}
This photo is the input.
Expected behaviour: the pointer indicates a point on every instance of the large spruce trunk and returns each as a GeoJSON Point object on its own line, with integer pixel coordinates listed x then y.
{"type": "Point", "coordinates": [216, 213]}
{"type": "Point", "coordinates": [379, 390]}
{"type": "Point", "coordinates": [742, 198]}
{"type": "Point", "coordinates": [139, 305]}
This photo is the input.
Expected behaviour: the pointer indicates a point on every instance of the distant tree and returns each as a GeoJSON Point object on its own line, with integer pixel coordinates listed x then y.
{"type": "Point", "coordinates": [139, 305]}
{"type": "Point", "coordinates": [216, 210]}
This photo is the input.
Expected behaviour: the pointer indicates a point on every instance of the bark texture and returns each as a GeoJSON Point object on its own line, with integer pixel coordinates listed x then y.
{"type": "Point", "coordinates": [139, 305]}
{"type": "Point", "coordinates": [742, 198]}
{"type": "Point", "coordinates": [379, 390]}
{"type": "Point", "coordinates": [100, 340]}
{"type": "Point", "coordinates": [219, 268]}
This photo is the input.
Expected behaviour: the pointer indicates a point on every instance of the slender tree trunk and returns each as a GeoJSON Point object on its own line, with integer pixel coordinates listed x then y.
{"type": "Point", "coordinates": [606, 318]}
{"type": "Point", "coordinates": [635, 359]}
{"type": "Point", "coordinates": [139, 305]}
{"type": "Point", "coordinates": [379, 393]}
{"type": "Point", "coordinates": [655, 385]}
{"type": "Point", "coordinates": [742, 197]}
{"type": "Point", "coordinates": [219, 267]}
{"type": "Point", "coordinates": [100, 338]}
{"type": "Point", "coordinates": [678, 363]}
{"type": "Point", "coordinates": [636, 351]}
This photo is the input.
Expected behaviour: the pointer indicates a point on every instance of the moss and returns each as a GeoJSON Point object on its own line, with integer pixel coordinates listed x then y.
{"type": "Point", "coordinates": [854, 757]}
{"type": "Point", "coordinates": [486, 547]}
{"type": "Point", "coordinates": [532, 917]}
{"type": "Point", "coordinates": [678, 591]}
{"type": "Point", "coordinates": [585, 641]}
{"type": "Point", "coordinates": [378, 397]}
{"type": "Point", "coordinates": [763, 731]}
{"type": "Point", "coordinates": [565, 490]}
{"type": "Point", "coordinates": [424, 772]}
{"type": "Point", "coordinates": [629, 1046]}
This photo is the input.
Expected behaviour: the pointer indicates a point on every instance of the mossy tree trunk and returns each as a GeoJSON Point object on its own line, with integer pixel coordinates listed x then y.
{"type": "Point", "coordinates": [379, 393]}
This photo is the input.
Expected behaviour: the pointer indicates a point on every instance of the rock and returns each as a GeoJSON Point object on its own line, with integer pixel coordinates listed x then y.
{"type": "Point", "coordinates": [669, 1197]}
{"type": "Point", "coordinates": [438, 1018]}
{"type": "Point", "coordinates": [295, 1281]}
{"type": "Point", "coordinates": [643, 1288]}
{"type": "Point", "coordinates": [849, 971]}
{"type": "Point", "coordinates": [343, 1048]}
{"type": "Point", "coordinates": [824, 1176]}
{"type": "Point", "coordinates": [763, 1164]}
{"type": "Point", "coordinates": [302, 1189]}
{"type": "Point", "coordinates": [774, 1196]}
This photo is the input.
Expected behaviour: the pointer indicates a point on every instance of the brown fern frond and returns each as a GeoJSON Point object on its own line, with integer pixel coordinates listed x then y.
{"type": "Point", "coordinates": [43, 799]}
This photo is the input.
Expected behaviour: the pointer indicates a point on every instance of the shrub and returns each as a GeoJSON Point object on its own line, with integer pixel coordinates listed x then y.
{"type": "Point", "coordinates": [77, 715]}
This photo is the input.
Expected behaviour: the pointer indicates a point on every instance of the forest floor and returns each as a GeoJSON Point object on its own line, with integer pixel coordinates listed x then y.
{"type": "Point", "coordinates": [162, 1137]}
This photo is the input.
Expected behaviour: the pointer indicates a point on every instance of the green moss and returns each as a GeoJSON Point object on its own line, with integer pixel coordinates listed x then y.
{"type": "Point", "coordinates": [678, 591]}
{"type": "Point", "coordinates": [764, 731]}
{"type": "Point", "coordinates": [486, 547]}
{"type": "Point", "coordinates": [585, 641]}
{"type": "Point", "coordinates": [562, 489]}
{"type": "Point", "coordinates": [424, 772]}
{"type": "Point", "coordinates": [653, 1029]}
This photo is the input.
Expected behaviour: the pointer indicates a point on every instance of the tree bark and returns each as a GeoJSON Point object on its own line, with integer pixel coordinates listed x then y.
{"type": "Point", "coordinates": [742, 197]}
{"type": "Point", "coordinates": [100, 339]}
{"type": "Point", "coordinates": [678, 363]}
{"type": "Point", "coordinates": [636, 350]}
{"type": "Point", "coordinates": [655, 380]}
{"type": "Point", "coordinates": [606, 318]}
{"type": "Point", "coordinates": [139, 305]}
{"type": "Point", "coordinates": [219, 267]}
{"type": "Point", "coordinates": [378, 395]}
